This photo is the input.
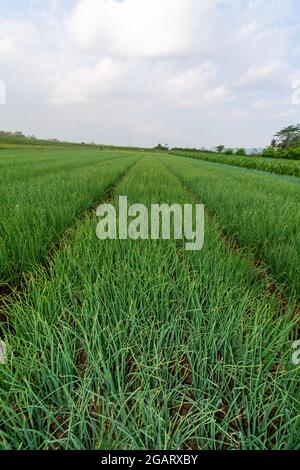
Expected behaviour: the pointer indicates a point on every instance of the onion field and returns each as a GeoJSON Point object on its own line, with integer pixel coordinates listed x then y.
{"type": "Point", "coordinates": [272, 165]}
{"type": "Point", "coordinates": [141, 344]}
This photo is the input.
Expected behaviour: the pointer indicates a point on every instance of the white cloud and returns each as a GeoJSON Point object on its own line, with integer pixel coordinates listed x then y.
{"type": "Point", "coordinates": [270, 72]}
{"type": "Point", "coordinates": [7, 49]}
{"type": "Point", "coordinates": [139, 28]}
{"type": "Point", "coordinates": [218, 94]}
{"type": "Point", "coordinates": [283, 114]}
{"type": "Point", "coordinates": [260, 105]}
{"type": "Point", "coordinates": [192, 78]}
{"type": "Point", "coordinates": [16, 34]}
{"type": "Point", "coordinates": [167, 68]}
{"type": "Point", "coordinates": [87, 83]}
{"type": "Point", "coordinates": [198, 86]}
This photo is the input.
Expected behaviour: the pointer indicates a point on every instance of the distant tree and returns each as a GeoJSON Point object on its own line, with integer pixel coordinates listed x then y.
{"type": "Point", "coordinates": [229, 151]}
{"type": "Point", "coordinates": [220, 148]}
{"type": "Point", "coordinates": [287, 137]}
{"type": "Point", "coordinates": [162, 148]}
{"type": "Point", "coordinates": [241, 152]}
{"type": "Point", "coordinates": [19, 134]}
{"type": "Point", "coordinates": [270, 152]}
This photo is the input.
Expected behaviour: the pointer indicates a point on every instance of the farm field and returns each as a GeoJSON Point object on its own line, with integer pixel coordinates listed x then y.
{"type": "Point", "coordinates": [42, 193]}
{"type": "Point", "coordinates": [271, 165]}
{"type": "Point", "coordinates": [260, 211]}
{"type": "Point", "coordinates": [123, 344]}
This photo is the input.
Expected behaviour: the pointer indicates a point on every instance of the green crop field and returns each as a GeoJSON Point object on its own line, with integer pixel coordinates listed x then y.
{"type": "Point", "coordinates": [271, 165]}
{"type": "Point", "coordinates": [42, 193]}
{"type": "Point", "coordinates": [141, 344]}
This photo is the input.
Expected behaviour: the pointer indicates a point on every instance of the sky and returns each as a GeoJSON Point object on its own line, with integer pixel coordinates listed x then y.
{"type": "Point", "coordinates": [188, 73]}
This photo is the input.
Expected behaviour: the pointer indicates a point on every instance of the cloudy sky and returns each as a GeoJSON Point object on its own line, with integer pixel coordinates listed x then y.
{"type": "Point", "coordinates": [137, 72]}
